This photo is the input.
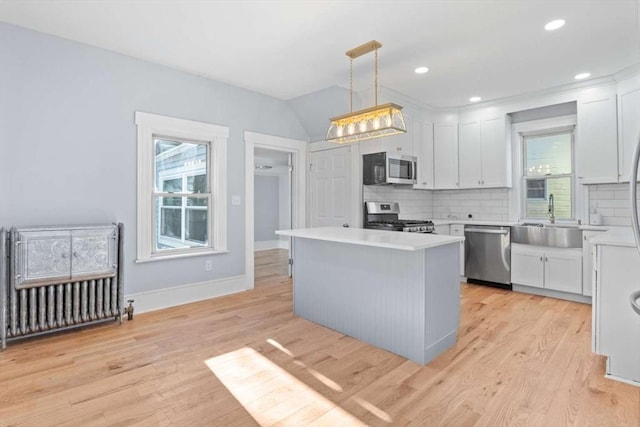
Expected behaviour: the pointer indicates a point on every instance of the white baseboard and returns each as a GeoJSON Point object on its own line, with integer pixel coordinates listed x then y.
{"type": "Point", "coordinates": [184, 294]}
{"type": "Point", "coordinates": [265, 245]}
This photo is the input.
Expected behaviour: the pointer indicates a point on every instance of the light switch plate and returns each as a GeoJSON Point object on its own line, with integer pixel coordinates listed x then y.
{"type": "Point", "coordinates": [235, 200]}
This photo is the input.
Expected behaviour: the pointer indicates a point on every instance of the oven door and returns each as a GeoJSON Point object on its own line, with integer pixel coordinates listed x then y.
{"type": "Point", "coordinates": [401, 169]}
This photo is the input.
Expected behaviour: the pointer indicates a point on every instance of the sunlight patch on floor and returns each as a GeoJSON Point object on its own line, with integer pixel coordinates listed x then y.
{"type": "Point", "coordinates": [270, 394]}
{"type": "Point", "coordinates": [373, 409]}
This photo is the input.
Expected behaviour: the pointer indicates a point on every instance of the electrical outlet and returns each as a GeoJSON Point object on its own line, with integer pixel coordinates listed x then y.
{"type": "Point", "coordinates": [235, 200]}
{"type": "Point", "coordinates": [208, 265]}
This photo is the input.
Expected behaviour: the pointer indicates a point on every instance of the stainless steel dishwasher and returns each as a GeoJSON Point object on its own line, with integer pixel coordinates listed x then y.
{"type": "Point", "coordinates": [488, 255]}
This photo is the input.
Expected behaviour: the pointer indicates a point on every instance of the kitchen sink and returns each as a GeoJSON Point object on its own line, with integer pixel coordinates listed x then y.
{"type": "Point", "coordinates": [553, 235]}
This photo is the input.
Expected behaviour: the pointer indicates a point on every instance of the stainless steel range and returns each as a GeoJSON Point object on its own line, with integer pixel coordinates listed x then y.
{"type": "Point", "coordinates": [384, 216]}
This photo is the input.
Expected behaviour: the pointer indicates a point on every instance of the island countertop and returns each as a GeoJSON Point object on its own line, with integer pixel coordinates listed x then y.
{"type": "Point", "coordinates": [377, 238]}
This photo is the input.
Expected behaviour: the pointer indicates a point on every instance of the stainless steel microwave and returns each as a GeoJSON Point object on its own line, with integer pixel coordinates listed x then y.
{"type": "Point", "coordinates": [388, 168]}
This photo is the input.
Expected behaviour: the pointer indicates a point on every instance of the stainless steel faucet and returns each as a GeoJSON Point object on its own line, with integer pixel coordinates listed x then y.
{"type": "Point", "coordinates": [552, 216]}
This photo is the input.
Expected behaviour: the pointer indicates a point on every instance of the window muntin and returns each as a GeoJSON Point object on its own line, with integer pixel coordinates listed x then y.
{"type": "Point", "coordinates": [548, 169]}
{"type": "Point", "coordinates": [182, 199]}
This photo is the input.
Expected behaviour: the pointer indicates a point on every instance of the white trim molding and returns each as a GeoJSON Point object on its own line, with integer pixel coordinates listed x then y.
{"type": "Point", "coordinates": [153, 125]}
{"type": "Point", "coordinates": [298, 149]}
{"type": "Point", "coordinates": [185, 294]}
{"type": "Point", "coordinates": [265, 245]}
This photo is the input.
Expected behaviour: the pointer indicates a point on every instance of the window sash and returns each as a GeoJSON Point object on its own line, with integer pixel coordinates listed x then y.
{"type": "Point", "coordinates": [151, 127]}
{"type": "Point", "coordinates": [526, 178]}
{"type": "Point", "coordinates": [157, 208]}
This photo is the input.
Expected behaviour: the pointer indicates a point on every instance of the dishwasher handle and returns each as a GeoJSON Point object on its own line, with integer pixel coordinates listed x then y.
{"type": "Point", "coordinates": [486, 231]}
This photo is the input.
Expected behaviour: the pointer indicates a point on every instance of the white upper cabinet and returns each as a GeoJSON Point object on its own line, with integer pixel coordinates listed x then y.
{"type": "Point", "coordinates": [596, 145]}
{"type": "Point", "coordinates": [484, 151]}
{"type": "Point", "coordinates": [445, 155]}
{"type": "Point", "coordinates": [628, 125]}
{"type": "Point", "coordinates": [470, 154]}
{"type": "Point", "coordinates": [423, 150]}
{"type": "Point", "coordinates": [496, 153]}
{"type": "Point", "coordinates": [401, 143]}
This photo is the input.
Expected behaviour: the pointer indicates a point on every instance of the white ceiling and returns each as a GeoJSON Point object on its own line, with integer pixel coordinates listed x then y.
{"type": "Point", "coordinates": [285, 49]}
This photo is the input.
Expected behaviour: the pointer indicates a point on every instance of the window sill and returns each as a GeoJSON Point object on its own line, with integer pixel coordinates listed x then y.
{"type": "Point", "coordinates": [179, 256]}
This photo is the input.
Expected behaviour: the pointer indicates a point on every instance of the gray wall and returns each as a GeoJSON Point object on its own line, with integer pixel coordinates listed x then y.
{"type": "Point", "coordinates": [68, 141]}
{"type": "Point", "coordinates": [266, 207]}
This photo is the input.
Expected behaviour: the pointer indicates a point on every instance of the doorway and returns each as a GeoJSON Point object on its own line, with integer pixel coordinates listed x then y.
{"type": "Point", "coordinates": [272, 210]}
{"type": "Point", "coordinates": [262, 147]}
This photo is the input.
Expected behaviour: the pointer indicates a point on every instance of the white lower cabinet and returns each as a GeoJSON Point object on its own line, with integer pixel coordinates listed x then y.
{"type": "Point", "coordinates": [616, 327]}
{"type": "Point", "coordinates": [549, 268]}
{"type": "Point", "coordinates": [458, 230]}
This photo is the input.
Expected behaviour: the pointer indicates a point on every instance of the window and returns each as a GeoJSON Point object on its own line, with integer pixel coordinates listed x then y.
{"type": "Point", "coordinates": [548, 170]}
{"type": "Point", "coordinates": [181, 187]}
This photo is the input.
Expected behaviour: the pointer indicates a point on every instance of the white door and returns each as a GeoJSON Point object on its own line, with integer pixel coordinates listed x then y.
{"type": "Point", "coordinates": [330, 181]}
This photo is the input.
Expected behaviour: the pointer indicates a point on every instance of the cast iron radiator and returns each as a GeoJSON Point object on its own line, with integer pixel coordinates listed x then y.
{"type": "Point", "coordinates": [56, 278]}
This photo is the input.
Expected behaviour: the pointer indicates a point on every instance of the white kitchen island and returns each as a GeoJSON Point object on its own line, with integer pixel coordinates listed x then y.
{"type": "Point", "coordinates": [397, 291]}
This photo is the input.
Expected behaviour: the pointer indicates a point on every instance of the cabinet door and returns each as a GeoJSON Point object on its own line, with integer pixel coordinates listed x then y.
{"type": "Point", "coordinates": [41, 257]}
{"type": "Point", "coordinates": [629, 131]}
{"type": "Point", "coordinates": [527, 266]}
{"type": "Point", "coordinates": [423, 149]}
{"type": "Point", "coordinates": [445, 155]}
{"type": "Point", "coordinates": [401, 143]}
{"type": "Point", "coordinates": [619, 326]}
{"type": "Point", "coordinates": [470, 154]}
{"type": "Point", "coordinates": [563, 270]}
{"type": "Point", "coordinates": [93, 252]}
{"type": "Point", "coordinates": [496, 153]}
{"type": "Point", "coordinates": [596, 144]}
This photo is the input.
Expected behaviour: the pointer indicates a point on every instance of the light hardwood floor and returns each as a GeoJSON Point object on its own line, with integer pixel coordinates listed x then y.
{"type": "Point", "coordinates": [245, 359]}
{"type": "Point", "coordinates": [271, 267]}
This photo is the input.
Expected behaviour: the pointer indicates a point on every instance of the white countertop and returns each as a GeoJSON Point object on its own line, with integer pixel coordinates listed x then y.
{"type": "Point", "coordinates": [620, 236]}
{"type": "Point", "coordinates": [377, 238]}
{"type": "Point", "coordinates": [473, 221]}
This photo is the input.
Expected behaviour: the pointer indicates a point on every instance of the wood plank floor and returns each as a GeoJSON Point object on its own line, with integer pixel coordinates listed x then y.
{"type": "Point", "coordinates": [245, 359]}
{"type": "Point", "coordinates": [271, 267]}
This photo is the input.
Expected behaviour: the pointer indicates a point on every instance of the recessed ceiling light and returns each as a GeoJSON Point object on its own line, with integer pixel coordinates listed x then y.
{"type": "Point", "coordinates": [582, 76]}
{"type": "Point", "coordinates": [421, 70]}
{"type": "Point", "coordinates": [475, 99]}
{"type": "Point", "coordinates": [554, 25]}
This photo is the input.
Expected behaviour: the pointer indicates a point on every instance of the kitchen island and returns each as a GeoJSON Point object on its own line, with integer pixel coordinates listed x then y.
{"type": "Point", "coordinates": [397, 291]}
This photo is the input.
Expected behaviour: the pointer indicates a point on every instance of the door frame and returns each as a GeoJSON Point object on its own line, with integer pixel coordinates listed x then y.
{"type": "Point", "coordinates": [298, 149]}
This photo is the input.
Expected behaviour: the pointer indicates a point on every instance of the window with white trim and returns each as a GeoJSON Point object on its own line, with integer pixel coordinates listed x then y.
{"type": "Point", "coordinates": [548, 170]}
{"type": "Point", "coordinates": [181, 187]}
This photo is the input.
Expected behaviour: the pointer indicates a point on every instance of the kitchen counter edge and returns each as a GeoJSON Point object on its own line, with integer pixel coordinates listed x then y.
{"type": "Point", "coordinates": [376, 238]}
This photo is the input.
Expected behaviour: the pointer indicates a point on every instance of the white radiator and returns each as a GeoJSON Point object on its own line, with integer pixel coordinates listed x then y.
{"type": "Point", "coordinates": [58, 278]}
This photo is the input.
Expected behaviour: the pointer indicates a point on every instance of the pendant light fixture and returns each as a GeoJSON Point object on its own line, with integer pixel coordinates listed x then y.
{"type": "Point", "coordinates": [373, 122]}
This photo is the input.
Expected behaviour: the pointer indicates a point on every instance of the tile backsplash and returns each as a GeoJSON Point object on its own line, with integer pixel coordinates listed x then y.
{"type": "Point", "coordinates": [414, 204]}
{"type": "Point", "coordinates": [491, 204]}
{"type": "Point", "coordinates": [482, 204]}
{"type": "Point", "coordinates": [611, 201]}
